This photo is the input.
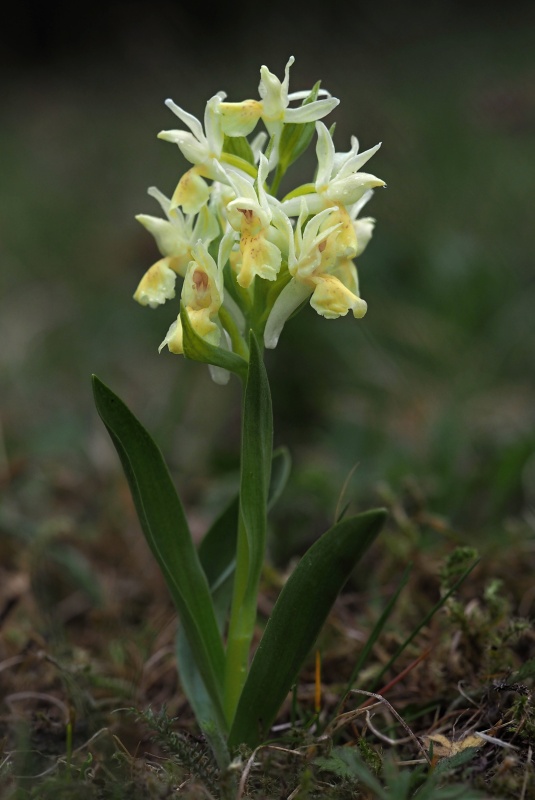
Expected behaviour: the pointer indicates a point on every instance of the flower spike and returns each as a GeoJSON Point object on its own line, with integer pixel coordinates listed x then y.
{"type": "Point", "coordinates": [248, 260]}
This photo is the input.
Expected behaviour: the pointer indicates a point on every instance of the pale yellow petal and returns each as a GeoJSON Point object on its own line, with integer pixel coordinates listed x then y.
{"type": "Point", "coordinates": [192, 192]}
{"type": "Point", "coordinates": [332, 299]}
{"type": "Point", "coordinates": [342, 243]}
{"type": "Point", "coordinates": [157, 285]}
{"type": "Point", "coordinates": [173, 338]}
{"type": "Point", "coordinates": [258, 257]}
{"type": "Point", "coordinates": [240, 119]}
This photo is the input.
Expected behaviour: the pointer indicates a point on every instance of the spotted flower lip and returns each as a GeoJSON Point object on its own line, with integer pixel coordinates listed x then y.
{"type": "Point", "coordinates": [318, 272]}
{"type": "Point", "coordinates": [202, 295]}
{"type": "Point", "coordinates": [250, 214]}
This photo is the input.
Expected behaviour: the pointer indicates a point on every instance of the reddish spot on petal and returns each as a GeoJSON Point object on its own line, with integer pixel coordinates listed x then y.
{"type": "Point", "coordinates": [247, 213]}
{"type": "Point", "coordinates": [200, 280]}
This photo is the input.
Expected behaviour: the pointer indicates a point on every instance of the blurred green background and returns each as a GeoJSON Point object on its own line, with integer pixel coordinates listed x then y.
{"type": "Point", "coordinates": [431, 394]}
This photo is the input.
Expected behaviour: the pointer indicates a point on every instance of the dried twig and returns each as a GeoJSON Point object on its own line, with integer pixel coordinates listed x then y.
{"type": "Point", "coordinates": [401, 721]}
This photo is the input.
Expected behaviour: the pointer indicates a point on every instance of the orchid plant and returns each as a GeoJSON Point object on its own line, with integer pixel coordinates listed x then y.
{"type": "Point", "coordinates": [248, 261]}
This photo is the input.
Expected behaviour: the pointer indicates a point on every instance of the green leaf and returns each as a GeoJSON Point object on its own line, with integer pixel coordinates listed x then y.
{"type": "Point", "coordinates": [347, 763]}
{"type": "Point", "coordinates": [166, 530]}
{"type": "Point", "coordinates": [198, 349]}
{"type": "Point", "coordinates": [452, 763]}
{"type": "Point", "coordinates": [238, 146]}
{"type": "Point", "coordinates": [217, 554]}
{"type": "Point", "coordinates": [280, 472]}
{"type": "Point", "coordinates": [296, 620]}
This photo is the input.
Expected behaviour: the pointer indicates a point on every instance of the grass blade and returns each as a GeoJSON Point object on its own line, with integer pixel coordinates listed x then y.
{"type": "Point", "coordinates": [372, 638]}
{"type": "Point", "coordinates": [423, 623]}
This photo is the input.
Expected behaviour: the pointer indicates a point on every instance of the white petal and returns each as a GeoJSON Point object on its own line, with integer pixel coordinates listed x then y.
{"type": "Point", "coordinates": [311, 111]}
{"type": "Point", "coordinates": [306, 93]}
{"type": "Point", "coordinates": [357, 161]}
{"type": "Point", "coordinates": [271, 90]}
{"type": "Point", "coordinates": [341, 158]}
{"type": "Point", "coordinates": [219, 375]}
{"type": "Point", "coordinates": [351, 189]}
{"type": "Point", "coordinates": [165, 203]}
{"type": "Point", "coordinates": [284, 226]}
{"type": "Point", "coordinates": [168, 238]}
{"type": "Point", "coordinates": [206, 226]}
{"type": "Point", "coordinates": [225, 246]}
{"type": "Point", "coordinates": [364, 230]}
{"type": "Point", "coordinates": [241, 183]}
{"type": "Point", "coordinates": [263, 169]}
{"type": "Point", "coordinates": [314, 202]}
{"type": "Point", "coordinates": [325, 154]}
{"type": "Point", "coordinates": [286, 81]}
{"type": "Point", "coordinates": [311, 241]}
{"type": "Point", "coordinates": [194, 151]}
{"type": "Point", "coordinates": [257, 145]}
{"type": "Point", "coordinates": [212, 126]}
{"type": "Point", "coordinates": [188, 119]}
{"type": "Point", "coordinates": [357, 207]}
{"type": "Point", "coordinates": [291, 297]}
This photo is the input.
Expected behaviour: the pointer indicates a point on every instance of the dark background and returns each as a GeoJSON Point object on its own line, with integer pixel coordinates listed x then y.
{"type": "Point", "coordinates": [434, 387]}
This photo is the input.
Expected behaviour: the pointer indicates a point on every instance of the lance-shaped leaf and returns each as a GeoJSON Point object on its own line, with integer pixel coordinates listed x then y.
{"type": "Point", "coordinates": [296, 620]}
{"type": "Point", "coordinates": [217, 554]}
{"type": "Point", "coordinates": [166, 530]}
{"type": "Point", "coordinates": [198, 349]}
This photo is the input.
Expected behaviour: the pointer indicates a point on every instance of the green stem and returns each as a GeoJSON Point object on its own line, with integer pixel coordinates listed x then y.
{"type": "Point", "coordinates": [256, 456]}
{"type": "Point", "coordinates": [279, 174]}
{"type": "Point", "coordinates": [241, 627]}
{"type": "Point", "coordinates": [238, 344]}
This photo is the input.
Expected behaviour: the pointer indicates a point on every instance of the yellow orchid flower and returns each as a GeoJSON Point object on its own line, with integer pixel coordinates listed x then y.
{"type": "Point", "coordinates": [338, 180]}
{"type": "Point", "coordinates": [250, 214]}
{"type": "Point", "coordinates": [240, 119]}
{"type": "Point", "coordinates": [202, 295]}
{"type": "Point", "coordinates": [202, 148]}
{"type": "Point", "coordinates": [318, 272]}
{"type": "Point", "coordinates": [175, 238]}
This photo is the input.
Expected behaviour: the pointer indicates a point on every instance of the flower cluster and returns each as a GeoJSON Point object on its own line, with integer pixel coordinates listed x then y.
{"type": "Point", "coordinates": [247, 258]}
